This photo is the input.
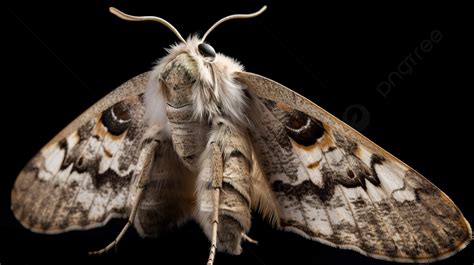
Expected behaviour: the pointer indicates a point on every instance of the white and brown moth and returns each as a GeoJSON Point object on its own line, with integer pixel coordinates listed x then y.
{"type": "Point", "coordinates": [199, 138]}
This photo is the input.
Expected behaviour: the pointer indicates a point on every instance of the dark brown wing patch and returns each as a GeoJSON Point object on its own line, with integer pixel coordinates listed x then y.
{"type": "Point", "coordinates": [300, 127]}
{"type": "Point", "coordinates": [117, 119]}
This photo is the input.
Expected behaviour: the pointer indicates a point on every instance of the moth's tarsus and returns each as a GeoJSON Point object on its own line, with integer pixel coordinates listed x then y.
{"type": "Point", "coordinates": [217, 172]}
{"type": "Point", "coordinates": [245, 237]}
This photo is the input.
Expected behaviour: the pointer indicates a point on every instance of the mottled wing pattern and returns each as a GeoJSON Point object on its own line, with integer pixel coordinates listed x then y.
{"type": "Point", "coordinates": [335, 186]}
{"type": "Point", "coordinates": [82, 177]}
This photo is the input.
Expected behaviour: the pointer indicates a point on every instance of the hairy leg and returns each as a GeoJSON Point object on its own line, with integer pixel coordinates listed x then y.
{"type": "Point", "coordinates": [143, 172]}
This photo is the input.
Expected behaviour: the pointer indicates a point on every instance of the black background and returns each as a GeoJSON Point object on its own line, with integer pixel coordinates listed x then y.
{"type": "Point", "coordinates": [61, 58]}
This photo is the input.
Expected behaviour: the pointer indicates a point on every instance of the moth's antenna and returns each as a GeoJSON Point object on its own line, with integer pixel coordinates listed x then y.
{"type": "Point", "coordinates": [124, 16]}
{"type": "Point", "coordinates": [237, 16]}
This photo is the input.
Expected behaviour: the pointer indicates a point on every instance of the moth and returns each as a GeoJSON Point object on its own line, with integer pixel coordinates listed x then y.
{"type": "Point", "coordinates": [198, 138]}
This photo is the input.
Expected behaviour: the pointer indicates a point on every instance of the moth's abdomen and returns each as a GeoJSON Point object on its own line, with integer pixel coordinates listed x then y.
{"type": "Point", "coordinates": [169, 196]}
{"type": "Point", "coordinates": [234, 206]}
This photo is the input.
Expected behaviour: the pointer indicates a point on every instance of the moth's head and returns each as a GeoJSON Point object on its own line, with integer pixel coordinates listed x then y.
{"type": "Point", "coordinates": [192, 59]}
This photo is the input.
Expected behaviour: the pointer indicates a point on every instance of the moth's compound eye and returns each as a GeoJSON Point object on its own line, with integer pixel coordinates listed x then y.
{"type": "Point", "coordinates": [207, 51]}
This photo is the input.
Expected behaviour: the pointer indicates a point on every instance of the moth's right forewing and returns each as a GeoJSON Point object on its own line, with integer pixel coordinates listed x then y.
{"type": "Point", "coordinates": [335, 186]}
{"type": "Point", "coordinates": [82, 177]}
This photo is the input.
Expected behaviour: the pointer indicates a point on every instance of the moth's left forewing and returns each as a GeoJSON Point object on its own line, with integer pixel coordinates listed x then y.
{"type": "Point", "coordinates": [335, 186]}
{"type": "Point", "coordinates": [82, 177]}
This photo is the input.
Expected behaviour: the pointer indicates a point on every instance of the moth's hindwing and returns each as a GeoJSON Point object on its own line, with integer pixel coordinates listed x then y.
{"type": "Point", "coordinates": [82, 177]}
{"type": "Point", "coordinates": [335, 186]}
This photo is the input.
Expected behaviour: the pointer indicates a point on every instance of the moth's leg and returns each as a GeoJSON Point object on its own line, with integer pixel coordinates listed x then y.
{"type": "Point", "coordinates": [227, 160]}
{"type": "Point", "coordinates": [143, 166]}
{"type": "Point", "coordinates": [216, 171]}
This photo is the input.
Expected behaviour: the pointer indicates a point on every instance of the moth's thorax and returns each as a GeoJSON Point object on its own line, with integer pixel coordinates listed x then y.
{"type": "Point", "coordinates": [177, 79]}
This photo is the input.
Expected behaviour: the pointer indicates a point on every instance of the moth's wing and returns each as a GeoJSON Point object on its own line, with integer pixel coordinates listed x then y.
{"type": "Point", "coordinates": [82, 177]}
{"type": "Point", "coordinates": [335, 186]}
